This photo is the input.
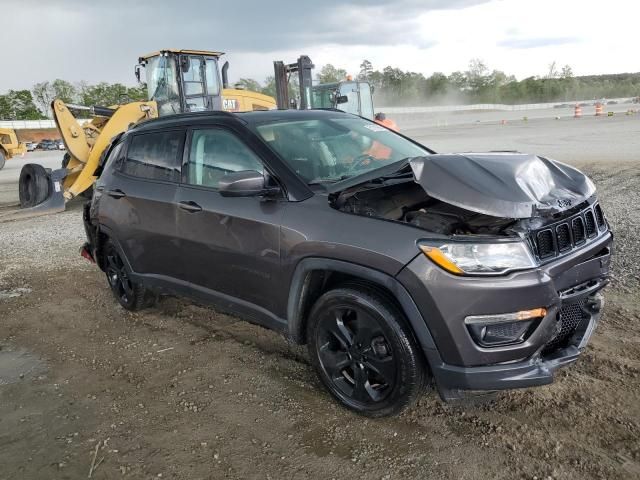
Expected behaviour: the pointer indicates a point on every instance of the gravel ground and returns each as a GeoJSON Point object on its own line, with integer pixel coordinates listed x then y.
{"type": "Point", "coordinates": [181, 391]}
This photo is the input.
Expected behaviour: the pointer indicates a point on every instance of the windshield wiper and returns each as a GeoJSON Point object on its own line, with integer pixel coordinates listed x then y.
{"type": "Point", "coordinates": [320, 181]}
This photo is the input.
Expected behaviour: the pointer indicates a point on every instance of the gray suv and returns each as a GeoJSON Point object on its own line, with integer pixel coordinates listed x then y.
{"type": "Point", "coordinates": [398, 267]}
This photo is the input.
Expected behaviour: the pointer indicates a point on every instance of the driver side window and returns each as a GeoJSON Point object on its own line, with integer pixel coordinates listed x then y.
{"type": "Point", "coordinates": [215, 153]}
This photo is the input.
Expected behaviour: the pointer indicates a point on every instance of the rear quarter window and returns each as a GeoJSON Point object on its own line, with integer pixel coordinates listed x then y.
{"type": "Point", "coordinates": [155, 156]}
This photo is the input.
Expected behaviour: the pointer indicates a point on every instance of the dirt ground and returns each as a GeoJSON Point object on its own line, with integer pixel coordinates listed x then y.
{"type": "Point", "coordinates": [180, 391]}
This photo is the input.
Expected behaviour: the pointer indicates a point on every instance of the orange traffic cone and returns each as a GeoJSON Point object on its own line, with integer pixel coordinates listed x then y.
{"type": "Point", "coordinates": [598, 109]}
{"type": "Point", "coordinates": [577, 112]}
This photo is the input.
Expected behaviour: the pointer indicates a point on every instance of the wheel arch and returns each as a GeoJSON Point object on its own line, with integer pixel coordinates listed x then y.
{"type": "Point", "coordinates": [314, 276]}
{"type": "Point", "coordinates": [104, 234]}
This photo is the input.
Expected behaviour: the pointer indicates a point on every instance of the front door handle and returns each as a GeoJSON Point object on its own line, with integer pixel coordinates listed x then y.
{"type": "Point", "coordinates": [117, 193]}
{"type": "Point", "coordinates": [190, 206]}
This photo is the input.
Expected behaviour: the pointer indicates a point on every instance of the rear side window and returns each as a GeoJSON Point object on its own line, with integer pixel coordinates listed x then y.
{"type": "Point", "coordinates": [155, 156]}
{"type": "Point", "coordinates": [215, 153]}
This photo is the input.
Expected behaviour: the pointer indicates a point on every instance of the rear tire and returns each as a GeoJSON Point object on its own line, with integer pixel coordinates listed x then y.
{"type": "Point", "coordinates": [130, 295]}
{"type": "Point", "coordinates": [33, 185]}
{"type": "Point", "coordinates": [363, 351]}
{"type": "Point", "coordinates": [3, 159]}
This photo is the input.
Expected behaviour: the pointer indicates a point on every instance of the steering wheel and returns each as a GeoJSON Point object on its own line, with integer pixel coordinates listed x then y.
{"type": "Point", "coordinates": [361, 160]}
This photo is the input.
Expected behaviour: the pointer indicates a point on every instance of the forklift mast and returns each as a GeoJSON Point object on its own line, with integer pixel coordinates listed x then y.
{"type": "Point", "coordinates": [282, 71]}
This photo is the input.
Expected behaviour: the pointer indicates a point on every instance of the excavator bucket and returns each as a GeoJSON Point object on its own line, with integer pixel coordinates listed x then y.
{"type": "Point", "coordinates": [34, 181]}
{"type": "Point", "coordinates": [44, 191]}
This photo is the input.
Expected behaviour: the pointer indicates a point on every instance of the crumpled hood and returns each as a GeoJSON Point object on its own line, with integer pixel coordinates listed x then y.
{"type": "Point", "coordinates": [511, 185]}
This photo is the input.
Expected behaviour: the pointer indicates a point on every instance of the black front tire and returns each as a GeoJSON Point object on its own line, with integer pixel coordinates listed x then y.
{"type": "Point", "coordinates": [363, 351]}
{"type": "Point", "coordinates": [33, 185]}
{"type": "Point", "coordinates": [3, 159]}
{"type": "Point", "coordinates": [130, 294]}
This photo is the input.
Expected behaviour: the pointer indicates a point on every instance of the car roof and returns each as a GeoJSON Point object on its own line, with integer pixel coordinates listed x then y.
{"type": "Point", "coordinates": [248, 118]}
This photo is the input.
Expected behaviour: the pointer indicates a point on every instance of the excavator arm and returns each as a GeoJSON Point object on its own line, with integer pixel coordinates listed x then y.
{"type": "Point", "coordinates": [86, 143]}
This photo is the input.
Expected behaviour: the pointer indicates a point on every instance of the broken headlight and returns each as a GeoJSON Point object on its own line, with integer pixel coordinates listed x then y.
{"type": "Point", "coordinates": [479, 258]}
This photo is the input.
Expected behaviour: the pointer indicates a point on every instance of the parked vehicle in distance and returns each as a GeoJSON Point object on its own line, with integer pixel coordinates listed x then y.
{"type": "Point", "coordinates": [60, 145]}
{"type": "Point", "coordinates": [397, 266]}
{"type": "Point", "coordinates": [48, 145]}
{"type": "Point", "coordinates": [31, 146]}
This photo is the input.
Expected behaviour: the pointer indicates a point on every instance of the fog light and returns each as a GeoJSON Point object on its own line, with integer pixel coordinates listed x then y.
{"type": "Point", "coordinates": [505, 328]}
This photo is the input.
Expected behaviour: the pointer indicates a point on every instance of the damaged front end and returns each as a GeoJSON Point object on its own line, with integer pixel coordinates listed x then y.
{"type": "Point", "coordinates": [484, 213]}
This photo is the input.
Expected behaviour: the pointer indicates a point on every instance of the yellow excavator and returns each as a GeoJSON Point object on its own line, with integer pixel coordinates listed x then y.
{"type": "Point", "coordinates": [177, 81]}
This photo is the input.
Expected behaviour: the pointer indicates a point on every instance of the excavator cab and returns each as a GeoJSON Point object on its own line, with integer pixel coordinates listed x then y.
{"type": "Point", "coordinates": [182, 80]}
{"type": "Point", "coordinates": [178, 81]}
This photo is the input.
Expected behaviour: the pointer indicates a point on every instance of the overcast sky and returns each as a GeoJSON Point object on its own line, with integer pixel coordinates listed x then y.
{"type": "Point", "coordinates": [100, 40]}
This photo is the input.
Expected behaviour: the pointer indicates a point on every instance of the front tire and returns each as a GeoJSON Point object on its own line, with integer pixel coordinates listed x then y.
{"type": "Point", "coordinates": [130, 295]}
{"type": "Point", "coordinates": [363, 351]}
{"type": "Point", "coordinates": [3, 159]}
{"type": "Point", "coordinates": [33, 185]}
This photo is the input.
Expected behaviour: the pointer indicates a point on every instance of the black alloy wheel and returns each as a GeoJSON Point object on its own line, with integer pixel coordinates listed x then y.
{"type": "Point", "coordinates": [118, 277]}
{"type": "Point", "coordinates": [364, 353]}
{"type": "Point", "coordinates": [130, 294]}
{"type": "Point", "coordinates": [355, 354]}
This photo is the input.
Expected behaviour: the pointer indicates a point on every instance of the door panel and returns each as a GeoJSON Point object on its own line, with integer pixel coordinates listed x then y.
{"type": "Point", "coordinates": [145, 222]}
{"type": "Point", "coordinates": [140, 201]}
{"type": "Point", "coordinates": [227, 244]}
{"type": "Point", "coordinates": [232, 245]}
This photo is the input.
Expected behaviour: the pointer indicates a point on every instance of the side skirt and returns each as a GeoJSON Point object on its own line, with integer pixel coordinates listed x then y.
{"type": "Point", "coordinates": [224, 303]}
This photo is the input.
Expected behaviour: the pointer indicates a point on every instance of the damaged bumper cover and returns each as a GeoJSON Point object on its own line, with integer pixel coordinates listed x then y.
{"type": "Point", "coordinates": [564, 286]}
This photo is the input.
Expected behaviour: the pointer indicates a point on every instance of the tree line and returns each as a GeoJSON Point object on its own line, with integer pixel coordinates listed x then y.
{"type": "Point", "coordinates": [393, 87]}
{"type": "Point", "coordinates": [477, 84]}
{"type": "Point", "coordinates": [35, 104]}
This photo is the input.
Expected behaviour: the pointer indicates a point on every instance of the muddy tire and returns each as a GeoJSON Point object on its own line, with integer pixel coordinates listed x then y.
{"type": "Point", "coordinates": [3, 159]}
{"type": "Point", "coordinates": [364, 353]}
{"type": "Point", "coordinates": [129, 294]}
{"type": "Point", "coordinates": [65, 160]}
{"type": "Point", "coordinates": [33, 185]}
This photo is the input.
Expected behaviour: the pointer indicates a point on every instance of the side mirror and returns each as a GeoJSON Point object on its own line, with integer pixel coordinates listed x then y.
{"type": "Point", "coordinates": [342, 99]}
{"type": "Point", "coordinates": [137, 72]}
{"type": "Point", "coordinates": [247, 183]}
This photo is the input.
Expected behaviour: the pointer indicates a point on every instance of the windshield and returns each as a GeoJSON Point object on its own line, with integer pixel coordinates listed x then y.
{"type": "Point", "coordinates": [324, 96]}
{"type": "Point", "coordinates": [332, 149]}
{"type": "Point", "coordinates": [349, 90]}
{"type": "Point", "coordinates": [162, 84]}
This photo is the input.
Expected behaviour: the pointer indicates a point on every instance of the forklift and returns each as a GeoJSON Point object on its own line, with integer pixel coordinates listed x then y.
{"type": "Point", "coordinates": [348, 95]}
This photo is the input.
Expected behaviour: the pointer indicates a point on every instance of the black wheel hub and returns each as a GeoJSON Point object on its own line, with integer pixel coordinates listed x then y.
{"type": "Point", "coordinates": [118, 277]}
{"type": "Point", "coordinates": [355, 354]}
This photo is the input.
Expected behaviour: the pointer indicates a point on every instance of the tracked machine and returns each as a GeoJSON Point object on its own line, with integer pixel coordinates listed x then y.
{"type": "Point", "coordinates": [177, 81]}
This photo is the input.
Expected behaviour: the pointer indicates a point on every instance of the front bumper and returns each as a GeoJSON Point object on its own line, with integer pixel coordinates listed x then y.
{"type": "Point", "coordinates": [537, 370]}
{"type": "Point", "coordinates": [459, 363]}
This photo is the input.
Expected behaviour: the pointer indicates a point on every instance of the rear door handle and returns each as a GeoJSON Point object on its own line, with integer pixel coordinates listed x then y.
{"type": "Point", "coordinates": [190, 206]}
{"type": "Point", "coordinates": [116, 193]}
